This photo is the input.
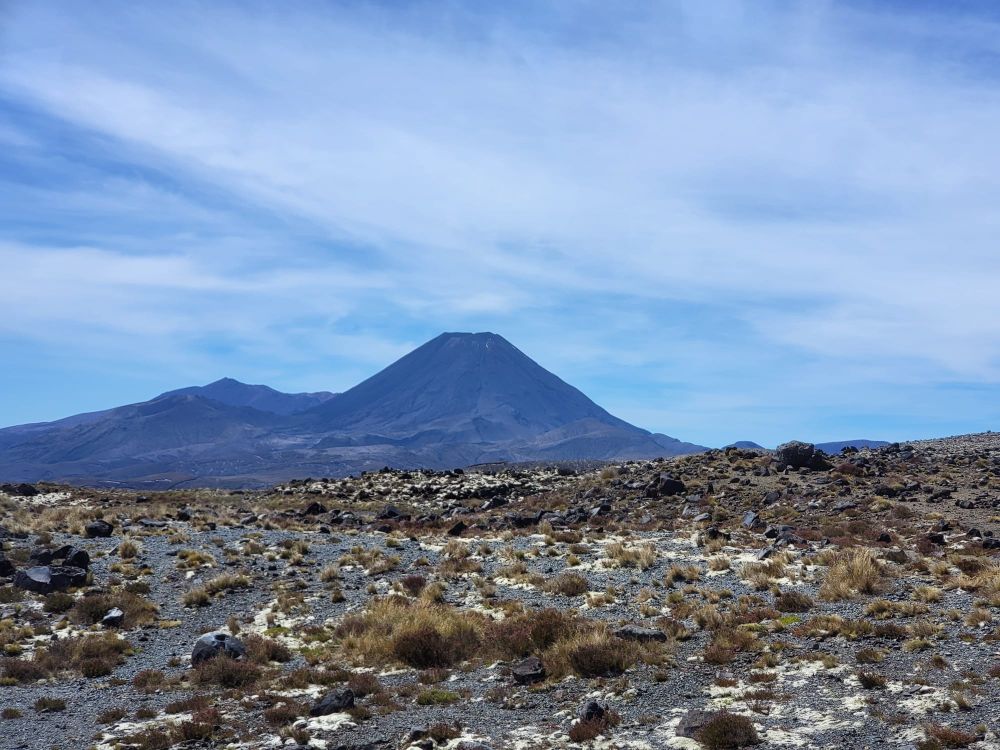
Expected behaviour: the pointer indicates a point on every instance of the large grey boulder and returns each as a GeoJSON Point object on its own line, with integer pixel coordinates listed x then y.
{"type": "Point", "coordinates": [640, 634]}
{"type": "Point", "coordinates": [799, 455]}
{"type": "Point", "coordinates": [217, 643]}
{"type": "Point", "coordinates": [333, 702]}
{"type": "Point", "coordinates": [44, 579]}
{"type": "Point", "coordinates": [98, 529]}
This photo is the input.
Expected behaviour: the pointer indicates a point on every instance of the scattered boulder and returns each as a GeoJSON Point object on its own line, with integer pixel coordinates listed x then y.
{"type": "Point", "coordinates": [333, 702]}
{"type": "Point", "coordinates": [457, 529]}
{"type": "Point", "coordinates": [114, 618]}
{"type": "Point", "coordinates": [799, 455]}
{"type": "Point", "coordinates": [98, 529]}
{"type": "Point", "coordinates": [752, 521]}
{"type": "Point", "coordinates": [214, 644]}
{"type": "Point", "coordinates": [20, 490]}
{"type": "Point", "coordinates": [74, 557]}
{"type": "Point", "coordinates": [528, 670]}
{"type": "Point", "coordinates": [314, 509]}
{"type": "Point", "coordinates": [44, 579]}
{"type": "Point", "coordinates": [591, 711]}
{"type": "Point", "coordinates": [665, 485]}
{"type": "Point", "coordinates": [692, 723]}
{"type": "Point", "coordinates": [6, 566]}
{"type": "Point", "coordinates": [41, 556]}
{"type": "Point", "coordinates": [641, 634]}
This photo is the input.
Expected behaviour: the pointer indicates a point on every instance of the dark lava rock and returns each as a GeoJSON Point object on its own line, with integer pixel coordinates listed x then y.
{"type": "Point", "coordinates": [936, 538]}
{"type": "Point", "coordinates": [333, 702]}
{"type": "Point", "coordinates": [752, 521]}
{"type": "Point", "coordinates": [99, 528]}
{"type": "Point", "coordinates": [44, 579]}
{"type": "Point", "coordinates": [800, 455]}
{"type": "Point", "coordinates": [843, 505]}
{"type": "Point", "coordinates": [74, 557]}
{"type": "Point", "coordinates": [6, 566]}
{"type": "Point", "coordinates": [885, 537]}
{"type": "Point", "coordinates": [591, 711]}
{"type": "Point", "coordinates": [772, 497]}
{"type": "Point", "coordinates": [41, 556]}
{"type": "Point", "coordinates": [213, 644]}
{"type": "Point", "coordinates": [693, 722]}
{"type": "Point", "coordinates": [639, 633]}
{"type": "Point", "coordinates": [20, 490]}
{"type": "Point", "coordinates": [114, 618]}
{"type": "Point", "coordinates": [528, 670]}
{"type": "Point", "coordinates": [665, 485]}
{"type": "Point", "coordinates": [314, 509]}
{"type": "Point", "coordinates": [991, 543]}
{"type": "Point", "coordinates": [457, 529]}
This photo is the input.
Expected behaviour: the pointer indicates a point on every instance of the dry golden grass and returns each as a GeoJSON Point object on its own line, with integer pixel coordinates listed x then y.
{"type": "Point", "coordinates": [434, 636]}
{"type": "Point", "coordinates": [852, 572]}
{"type": "Point", "coordinates": [620, 555]}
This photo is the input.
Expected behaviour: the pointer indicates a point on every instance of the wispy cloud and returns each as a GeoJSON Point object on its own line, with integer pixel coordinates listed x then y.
{"type": "Point", "coordinates": [662, 204]}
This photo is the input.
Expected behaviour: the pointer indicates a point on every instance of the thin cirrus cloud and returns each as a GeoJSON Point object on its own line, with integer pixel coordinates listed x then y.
{"type": "Point", "coordinates": [726, 220]}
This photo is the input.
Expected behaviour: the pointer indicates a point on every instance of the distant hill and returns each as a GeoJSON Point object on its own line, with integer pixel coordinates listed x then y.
{"type": "Point", "coordinates": [459, 399]}
{"type": "Point", "coordinates": [235, 393]}
{"type": "Point", "coordinates": [748, 444]}
{"type": "Point", "coordinates": [838, 446]}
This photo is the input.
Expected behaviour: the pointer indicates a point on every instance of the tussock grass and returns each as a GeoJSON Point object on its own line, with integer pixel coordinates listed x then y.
{"type": "Point", "coordinates": [620, 555]}
{"type": "Point", "coordinates": [852, 572]}
{"type": "Point", "coordinates": [436, 636]}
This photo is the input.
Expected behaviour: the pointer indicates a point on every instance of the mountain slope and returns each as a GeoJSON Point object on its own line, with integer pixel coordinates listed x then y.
{"type": "Point", "coordinates": [459, 399]}
{"type": "Point", "coordinates": [262, 397]}
{"type": "Point", "coordinates": [162, 435]}
{"type": "Point", "coordinates": [468, 386]}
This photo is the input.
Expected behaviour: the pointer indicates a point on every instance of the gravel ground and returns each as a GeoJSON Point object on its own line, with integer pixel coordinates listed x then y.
{"type": "Point", "coordinates": [796, 674]}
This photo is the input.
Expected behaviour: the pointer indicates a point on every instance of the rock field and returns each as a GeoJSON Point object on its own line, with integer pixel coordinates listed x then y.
{"type": "Point", "coordinates": [726, 599]}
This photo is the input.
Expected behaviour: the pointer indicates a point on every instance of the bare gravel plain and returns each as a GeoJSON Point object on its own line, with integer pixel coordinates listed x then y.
{"type": "Point", "coordinates": [729, 599]}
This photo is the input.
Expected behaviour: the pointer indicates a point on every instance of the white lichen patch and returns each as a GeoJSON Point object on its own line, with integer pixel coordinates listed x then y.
{"type": "Point", "coordinates": [328, 723]}
{"type": "Point", "coordinates": [110, 738]}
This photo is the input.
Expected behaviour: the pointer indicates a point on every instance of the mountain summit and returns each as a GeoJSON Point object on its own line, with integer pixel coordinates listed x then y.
{"type": "Point", "coordinates": [265, 398]}
{"type": "Point", "coordinates": [467, 387]}
{"type": "Point", "coordinates": [460, 399]}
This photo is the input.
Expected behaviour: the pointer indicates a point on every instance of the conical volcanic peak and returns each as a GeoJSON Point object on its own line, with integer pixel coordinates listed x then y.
{"type": "Point", "coordinates": [459, 399]}
{"type": "Point", "coordinates": [477, 385]}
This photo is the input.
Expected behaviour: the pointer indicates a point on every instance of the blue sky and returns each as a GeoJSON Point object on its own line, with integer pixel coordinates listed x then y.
{"type": "Point", "coordinates": [727, 220]}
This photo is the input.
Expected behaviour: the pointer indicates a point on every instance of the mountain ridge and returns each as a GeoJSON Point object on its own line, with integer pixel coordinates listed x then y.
{"type": "Point", "coordinates": [459, 399]}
